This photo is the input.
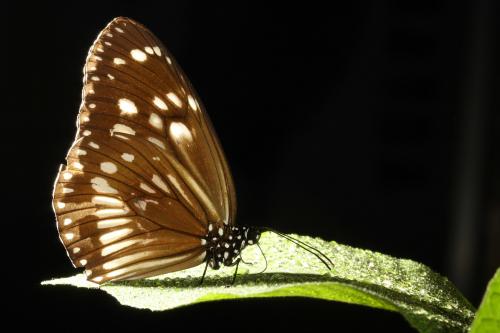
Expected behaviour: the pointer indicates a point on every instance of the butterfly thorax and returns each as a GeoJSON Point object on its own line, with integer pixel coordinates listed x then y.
{"type": "Point", "coordinates": [224, 244]}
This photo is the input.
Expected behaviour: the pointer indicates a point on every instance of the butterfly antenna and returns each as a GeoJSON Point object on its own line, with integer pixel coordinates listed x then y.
{"type": "Point", "coordinates": [314, 251]}
{"type": "Point", "coordinates": [317, 253]}
{"type": "Point", "coordinates": [308, 246]}
{"type": "Point", "coordinates": [204, 272]}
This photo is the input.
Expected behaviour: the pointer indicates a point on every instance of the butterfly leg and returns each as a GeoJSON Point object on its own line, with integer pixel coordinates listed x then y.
{"type": "Point", "coordinates": [204, 272]}
{"type": "Point", "coordinates": [237, 263]}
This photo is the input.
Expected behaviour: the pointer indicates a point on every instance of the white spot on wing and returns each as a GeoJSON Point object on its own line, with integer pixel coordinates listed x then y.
{"type": "Point", "coordinates": [98, 279]}
{"type": "Point", "coordinates": [120, 128]}
{"type": "Point", "coordinates": [118, 61]}
{"type": "Point", "coordinates": [67, 190]}
{"type": "Point", "coordinates": [95, 78]}
{"type": "Point", "coordinates": [114, 235]}
{"type": "Point", "coordinates": [108, 212]}
{"type": "Point", "coordinates": [61, 205]}
{"type": "Point", "coordinates": [141, 204]}
{"type": "Point", "coordinates": [143, 265]}
{"type": "Point", "coordinates": [147, 188]}
{"type": "Point", "coordinates": [77, 165]}
{"type": "Point", "coordinates": [128, 157]}
{"type": "Point", "coordinates": [179, 132]}
{"type": "Point", "coordinates": [155, 121]}
{"type": "Point", "coordinates": [174, 99]}
{"type": "Point", "coordinates": [81, 152]}
{"type": "Point", "coordinates": [149, 50]}
{"type": "Point", "coordinates": [101, 185]}
{"type": "Point", "coordinates": [192, 103]}
{"type": "Point", "coordinates": [86, 133]}
{"type": "Point", "coordinates": [176, 184]}
{"type": "Point", "coordinates": [83, 262]}
{"type": "Point", "coordinates": [76, 250]}
{"type": "Point", "coordinates": [109, 167]}
{"type": "Point", "coordinates": [111, 77]}
{"type": "Point", "coordinates": [138, 55]}
{"type": "Point", "coordinates": [120, 30]}
{"type": "Point", "coordinates": [93, 145]}
{"type": "Point", "coordinates": [67, 175]}
{"type": "Point", "coordinates": [160, 183]}
{"type": "Point", "coordinates": [67, 221]}
{"type": "Point", "coordinates": [160, 103]}
{"type": "Point", "coordinates": [157, 142]}
{"type": "Point", "coordinates": [69, 235]}
{"type": "Point", "coordinates": [106, 201]}
{"type": "Point", "coordinates": [111, 223]}
{"type": "Point", "coordinates": [127, 106]}
{"type": "Point", "coordinates": [157, 51]}
{"type": "Point", "coordinates": [121, 137]}
{"type": "Point", "coordinates": [117, 246]}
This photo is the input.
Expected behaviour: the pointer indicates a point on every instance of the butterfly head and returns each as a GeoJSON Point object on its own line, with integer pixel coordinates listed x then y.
{"type": "Point", "coordinates": [252, 234]}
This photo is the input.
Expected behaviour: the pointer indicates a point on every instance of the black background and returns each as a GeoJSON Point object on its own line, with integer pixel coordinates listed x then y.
{"type": "Point", "coordinates": [370, 123]}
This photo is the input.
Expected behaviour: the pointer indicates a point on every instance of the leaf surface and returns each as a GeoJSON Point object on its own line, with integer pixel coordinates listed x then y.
{"type": "Point", "coordinates": [428, 301]}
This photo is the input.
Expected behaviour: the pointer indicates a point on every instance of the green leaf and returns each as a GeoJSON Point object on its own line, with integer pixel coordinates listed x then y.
{"type": "Point", "coordinates": [427, 300]}
{"type": "Point", "coordinates": [488, 316]}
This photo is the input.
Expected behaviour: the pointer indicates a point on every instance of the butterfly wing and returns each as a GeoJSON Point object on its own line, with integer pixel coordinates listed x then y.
{"type": "Point", "coordinates": [146, 173]}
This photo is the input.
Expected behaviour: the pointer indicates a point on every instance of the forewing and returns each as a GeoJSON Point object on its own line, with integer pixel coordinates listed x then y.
{"type": "Point", "coordinates": [146, 173]}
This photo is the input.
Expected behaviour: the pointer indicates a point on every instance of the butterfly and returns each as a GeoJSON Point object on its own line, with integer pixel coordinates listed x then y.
{"type": "Point", "coordinates": [146, 189]}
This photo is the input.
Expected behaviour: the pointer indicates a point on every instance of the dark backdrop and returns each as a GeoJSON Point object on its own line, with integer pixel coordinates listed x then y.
{"type": "Point", "coordinates": [371, 123]}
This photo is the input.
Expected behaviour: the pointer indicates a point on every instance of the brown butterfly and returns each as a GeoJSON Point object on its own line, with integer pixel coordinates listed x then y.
{"type": "Point", "coordinates": [146, 189]}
